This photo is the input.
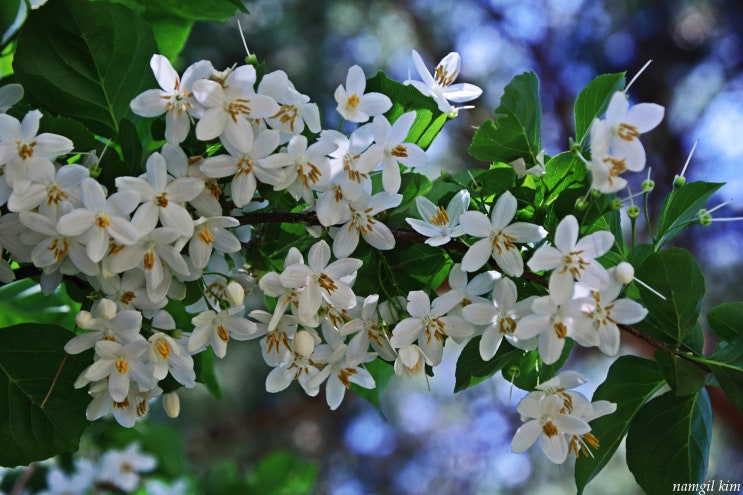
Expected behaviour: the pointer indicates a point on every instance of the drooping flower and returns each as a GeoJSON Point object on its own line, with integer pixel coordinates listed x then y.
{"type": "Point", "coordinates": [429, 325]}
{"type": "Point", "coordinates": [439, 84]}
{"type": "Point", "coordinates": [440, 224]}
{"type": "Point", "coordinates": [599, 314]}
{"type": "Point", "coordinates": [499, 237]}
{"type": "Point", "coordinates": [628, 124]}
{"type": "Point", "coordinates": [389, 148]}
{"type": "Point", "coordinates": [501, 317]}
{"type": "Point", "coordinates": [175, 98]}
{"type": "Point", "coordinates": [551, 425]}
{"type": "Point", "coordinates": [353, 104]}
{"type": "Point", "coordinates": [296, 109]}
{"type": "Point", "coordinates": [573, 260]}
{"type": "Point", "coordinates": [320, 280]}
{"type": "Point", "coordinates": [363, 223]}
{"type": "Point", "coordinates": [161, 198]}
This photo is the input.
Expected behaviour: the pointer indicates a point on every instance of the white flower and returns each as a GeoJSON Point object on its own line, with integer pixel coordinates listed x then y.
{"type": "Point", "coordinates": [429, 326]}
{"type": "Point", "coordinates": [599, 315]}
{"type": "Point", "coordinates": [389, 148]}
{"type": "Point", "coordinates": [294, 366]}
{"type": "Point", "coordinates": [22, 150]}
{"type": "Point", "coordinates": [369, 330]}
{"type": "Point", "coordinates": [126, 412]}
{"type": "Point", "coordinates": [410, 361]}
{"type": "Point", "coordinates": [501, 317]}
{"type": "Point", "coordinates": [341, 369]}
{"type": "Point", "coordinates": [462, 292]}
{"type": "Point", "coordinates": [121, 468]}
{"type": "Point", "coordinates": [573, 260]}
{"type": "Point", "coordinates": [296, 110]}
{"type": "Point", "coordinates": [627, 124]}
{"type": "Point", "coordinates": [353, 104]}
{"type": "Point", "coordinates": [100, 218]}
{"type": "Point", "coordinates": [121, 364]}
{"type": "Point", "coordinates": [105, 323]}
{"type": "Point", "coordinates": [161, 198]}
{"type": "Point", "coordinates": [440, 224]}
{"type": "Point", "coordinates": [230, 105]}
{"type": "Point", "coordinates": [606, 168]}
{"type": "Point", "coordinates": [50, 188]}
{"type": "Point", "coordinates": [362, 222]}
{"type": "Point", "coordinates": [217, 329]}
{"type": "Point", "coordinates": [78, 482]}
{"type": "Point", "coordinates": [156, 255]}
{"type": "Point", "coordinates": [175, 98]}
{"type": "Point", "coordinates": [211, 233]}
{"type": "Point", "coordinates": [519, 166]}
{"type": "Point", "coordinates": [550, 425]}
{"type": "Point", "coordinates": [303, 168]}
{"type": "Point", "coordinates": [321, 281]}
{"type": "Point", "coordinates": [168, 355]}
{"type": "Point", "coordinates": [551, 323]}
{"type": "Point", "coordinates": [498, 237]}
{"type": "Point", "coordinates": [244, 164]}
{"type": "Point", "coordinates": [439, 85]}
{"type": "Point", "coordinates": [344, 160]}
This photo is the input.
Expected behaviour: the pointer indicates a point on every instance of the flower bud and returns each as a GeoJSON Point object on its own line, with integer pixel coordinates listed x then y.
{"type": "Point", "coordinates": [595, 193]}
{"type": "Point", "coordinates": [625, 272]}
{"type": "Point", "coordinates": [648, 185]}
{"type": "Point", "coordinates": [235, 293]}
{"type": "Point", "coordinates": [172, 404]}
{"type": "Point", "coordinates": [176, 333]}
{"type": "Point", "coordinates": [704, 217]}
{"type": "Point", "coordinates": [83, 319]}
{"type": "Point", "coordinates": [616, 204]}
{"type": "Point", "coordinates": [581, 204]}
{"type": "Point", "coordinates": [106, 309]}
{"type": "Point", "coordinates": [679, 181]}
{"type": "Point", "coordinates": [304, 343]}
{"type": "Point", "coordinates": [633, 211]}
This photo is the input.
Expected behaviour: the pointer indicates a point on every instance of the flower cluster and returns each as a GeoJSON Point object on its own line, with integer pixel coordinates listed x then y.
{"type": "Point", "coordinates": [178, 226]}
{"type": "Point", "coordinates": [558, 417]}
{"type": "Point", "coordinates": [117, 470]}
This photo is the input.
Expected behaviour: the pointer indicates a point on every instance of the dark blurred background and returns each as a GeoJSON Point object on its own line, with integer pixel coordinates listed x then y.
{"type": "Point", "coordinates": [430, 441]}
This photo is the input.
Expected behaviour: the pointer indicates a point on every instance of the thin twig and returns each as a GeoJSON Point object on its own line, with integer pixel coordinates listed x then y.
{"type": "Point", "coordinates": [54, 382]}
{"type": "Point", "coordinates": [20, 484]}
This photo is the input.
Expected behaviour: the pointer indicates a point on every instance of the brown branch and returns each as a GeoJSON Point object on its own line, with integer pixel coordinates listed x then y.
{"type": "Point", "coordinates": [54, 382]}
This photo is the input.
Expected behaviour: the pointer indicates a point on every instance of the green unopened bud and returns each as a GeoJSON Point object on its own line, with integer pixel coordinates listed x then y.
{"type": "Point", "coordinates": [704, 217]}
{"type": "Point", "coordinates": [514, 371]}
{"type": "Point", "coordinates": [581, 204]}
{"type": "Point", "coordinates": [94, 171]}
{"type": "Point", "coordinates": [648, 185]}
{"type": "Point", "coordinates": [679, 181]}
{"type": "Point", "coordinates": [177, 333]}
{"type": "Point", "coordinates": [633, 211]}
{"type": "Point", "coordinates": [251, 60]}
{"type": "Point", "coordinates": [595, 193]}
{"type": "Point", "coordinates": [616, 204]}
{"type": "Point", "coordinates": [575, 147]}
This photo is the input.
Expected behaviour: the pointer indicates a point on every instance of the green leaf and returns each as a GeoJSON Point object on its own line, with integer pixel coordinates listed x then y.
{"type": "Point", "coordinates": [23, 302]}
{"type": "Point", "coordinates": [496, 181]}
{"type": "Point", "coordinates": [405, 98]}
{"type": "Point", "coordinates": [674, 273]}
{"type": "Point", "coordinates": [726, 363]}
{"type": "Point", "coordinates": [631, 381]}
{"type": "Point", "coordinates": [593, 100]}
{"type": "Point", "coordinates": [131, 145]}
{"type": "Point", "coordinates": [30, 358]}
{"type": "Point", "coordinates": [12, 15]}
{"type": "Point", "coordinates": [515, 133]}
{"type": "Point", "coordinates": [413, 185]}
{"type": "Point", "coordinates": [726, 320]}
{"type": "Point", "coordinates": [86, 61]}
{"type": "Point", "coordinates": [204, 368]}
{"type": "Point", "coordinates": [471, 369]}
{"type": "Point", "coordinates": [81, 137]}
{"type": "Point", "coordinates": [382, 372]}
{"type": "Point", "coordinates": [668, 442]}
{"type": "Point", "coordinates": [681, 207]}
{"type": "Point", "coordinates": [561, 172]}
{"type": "Point", "coordinates": [684, 377]}
{"type": "Point", "coordinates": [283, 473]}
{"type": "Point", "coordinates": [522, 368]}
